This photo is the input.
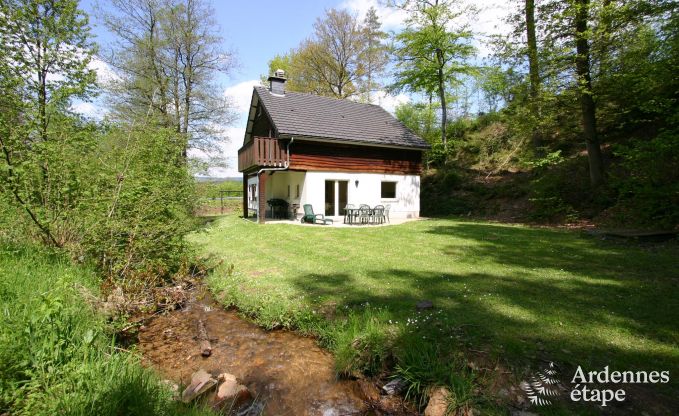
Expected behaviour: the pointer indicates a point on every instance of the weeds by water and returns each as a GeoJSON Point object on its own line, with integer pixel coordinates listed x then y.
{"type": "Point", "coordinates": [58, 356]}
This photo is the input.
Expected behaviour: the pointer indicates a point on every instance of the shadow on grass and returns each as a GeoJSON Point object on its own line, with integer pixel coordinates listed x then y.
{"type": "Point", "coordinates": [573, 300]}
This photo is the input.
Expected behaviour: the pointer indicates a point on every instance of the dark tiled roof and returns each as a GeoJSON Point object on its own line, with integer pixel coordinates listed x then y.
{"type": "Point", "coordinates": [333, 119]}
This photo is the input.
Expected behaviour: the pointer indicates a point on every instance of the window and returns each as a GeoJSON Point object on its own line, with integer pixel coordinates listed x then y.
{"type": "Point", "coordinates": [297, 195]}
{"type": "Point", "coordinates": [288, 191]}
{"type": "Point", "coordinates": [388, 190]}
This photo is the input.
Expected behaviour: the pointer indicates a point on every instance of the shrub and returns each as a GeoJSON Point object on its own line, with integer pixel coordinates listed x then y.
{"type": "Point", "coordinates": [121, 196]}
{"type": "Point", "coordinates": [142, 210]}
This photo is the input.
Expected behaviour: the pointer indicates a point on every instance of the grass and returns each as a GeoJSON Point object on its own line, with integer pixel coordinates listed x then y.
{"type": "Point", "coordinates": [519, 293]}
{"type": "Point", "coordinates": [58, 356]}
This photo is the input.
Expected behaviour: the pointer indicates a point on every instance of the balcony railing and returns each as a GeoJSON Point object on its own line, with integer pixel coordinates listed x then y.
{"type": "Point", "coordinates": [265, 152]}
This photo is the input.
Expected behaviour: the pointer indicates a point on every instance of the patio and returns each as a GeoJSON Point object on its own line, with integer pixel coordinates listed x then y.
{"type": "Point", "coordinates": [336, 224]}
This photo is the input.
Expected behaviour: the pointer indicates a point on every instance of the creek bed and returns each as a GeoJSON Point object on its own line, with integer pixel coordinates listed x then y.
{"type": "Point", "coordinates": [288, 374]}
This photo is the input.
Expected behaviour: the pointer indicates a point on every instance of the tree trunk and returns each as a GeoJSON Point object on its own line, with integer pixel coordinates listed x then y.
{"type": "Point", "coordinates": [442, 96]}
{"type": "Point", "coordinates": [533, 69]}
{"type": "Point", "coordinates": [42, 90]}
{"type": "Point", "coordinates": [582, 64]}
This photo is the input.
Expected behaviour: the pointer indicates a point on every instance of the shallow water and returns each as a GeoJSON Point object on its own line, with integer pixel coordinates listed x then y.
{"type": "Point", "coordinates": [288, 373]}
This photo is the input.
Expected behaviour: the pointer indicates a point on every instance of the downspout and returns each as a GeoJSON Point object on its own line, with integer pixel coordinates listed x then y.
{"type": "Point", "coordinates": [287, 165]}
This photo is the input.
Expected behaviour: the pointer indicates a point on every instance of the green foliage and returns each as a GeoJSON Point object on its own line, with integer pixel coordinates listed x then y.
{"type": "Point", "coordinates": [427, 46]}
{"type": "Point", "coordinates": [142, 207]}
{"type": "Point", "coordinates": [120, 196]}
{"type": "Point", "coordinates": [423, 363]}
{"type": "Point", "coordinates": [648, 183]}
{"type": "Point", "coordinates": [46, 49]}
{"type": "Point", "coordinates": [343, 58]}
{"type": "Point", "coordinates": [551, 159]}
{"type": "Point", "coordinates": [212, 189]}
{"type": "Point", "coordinates": [58, 356]}
{"type": "Point", "coordinates": [168, 56]}
{"type": "Point", "coordinates": [361, 341]}
{"type": "Point", "coordinates": [439, 194]}
{"type": "Point", "coordinates": [421, 119]}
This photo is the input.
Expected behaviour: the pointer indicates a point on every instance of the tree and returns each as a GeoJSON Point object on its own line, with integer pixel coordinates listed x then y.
{"type": "Point", "coordinates": [45, 52]}
{"type": "Point", "coordinates": [533, 68]}
{"type": "Point", "coordinates": [284, 62]}
{"type": "Point", "coordinates": [168, 55]}
{"type": "Point", "coordinates": [333, 56]}
{"type": "Point", "coordinates": [332, 61]}
{"type": "Point", "coordinates": [49, 48]}
{"type": "Point", "coordinates": [375, 53]}
{"type": "Point", "coordinates": [420, 118]}
{"type": "Point", "coordinates": [428, 54]}
{"type": "Point", "coordinates": [588, 107]}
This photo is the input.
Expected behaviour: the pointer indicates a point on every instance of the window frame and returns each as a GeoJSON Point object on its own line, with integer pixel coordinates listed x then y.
{"type": "Point", "coordinates": [388, 198]}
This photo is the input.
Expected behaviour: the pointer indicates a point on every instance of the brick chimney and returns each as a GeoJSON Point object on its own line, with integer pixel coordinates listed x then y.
{"type": "Point", "coordinates": [277, 82]}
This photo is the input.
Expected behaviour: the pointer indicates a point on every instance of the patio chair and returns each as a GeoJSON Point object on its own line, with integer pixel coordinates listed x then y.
{"type": "Point", "coordinates": [350, 215]}
{"type": "Point", "coordinates": [364, 213]}
{"type": "Point", "coordinates": [386, 212]}
{"type": "Point", "coordinates": [312, 218]}
{"type": "Point", "coordinates": [378, 214]}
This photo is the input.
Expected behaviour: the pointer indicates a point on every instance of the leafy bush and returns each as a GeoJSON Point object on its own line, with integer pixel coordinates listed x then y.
{"type": "Point", "coordinates": [142, 211]}
{"type": "Point", "coordinates": [121, 196]}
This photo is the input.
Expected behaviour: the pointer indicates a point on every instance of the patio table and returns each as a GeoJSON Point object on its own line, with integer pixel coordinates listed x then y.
{"type": "Point", "coordinates": [350, 214]}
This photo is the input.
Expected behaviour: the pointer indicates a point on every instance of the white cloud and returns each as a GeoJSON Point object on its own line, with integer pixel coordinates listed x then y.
{"type": "Point", "coordinates": [105, 72]}
{"type": "Point", "coordinates": [488, 21]}
{"type": "Point", "coordinates": [236, 135]}
{"type": "Point", "coordinates": [228, 149]}
{"type": "Point", "coordinates": [390, 18]}
{"type": "Point", "coordinates": [92, 110]}
{"type": "Point", "coordinates": [390, 102]}
{"type": "Point", "coordinates": [241, 94]}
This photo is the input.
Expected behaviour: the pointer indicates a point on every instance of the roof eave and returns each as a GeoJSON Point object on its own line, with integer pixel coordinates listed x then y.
{"type": "Point", "coordinates": [284, 135]}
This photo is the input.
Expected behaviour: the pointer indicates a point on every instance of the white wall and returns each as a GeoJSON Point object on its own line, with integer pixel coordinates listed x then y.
{"type": "Point", "coordinates": [312, 190]}
{"type": "Point", "coordinates": [277, 186]}
{"type": "Point", "coordinates": [405, 205]}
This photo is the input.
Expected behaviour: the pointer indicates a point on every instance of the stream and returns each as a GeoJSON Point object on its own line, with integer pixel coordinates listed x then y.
{"type": "Point", "coordinates": [288, 374]}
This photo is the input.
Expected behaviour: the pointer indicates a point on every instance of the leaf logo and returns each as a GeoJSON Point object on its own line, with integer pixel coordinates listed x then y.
{"type": "Point", "coordinates": [543, 386]}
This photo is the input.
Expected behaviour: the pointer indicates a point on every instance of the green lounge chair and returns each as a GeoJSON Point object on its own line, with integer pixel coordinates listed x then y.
{"type": "Point", "coordinates": [309, 216]}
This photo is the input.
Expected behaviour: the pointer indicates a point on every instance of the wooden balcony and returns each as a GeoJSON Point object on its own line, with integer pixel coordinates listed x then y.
{"type": "Point", "coordinates": [262, 152]}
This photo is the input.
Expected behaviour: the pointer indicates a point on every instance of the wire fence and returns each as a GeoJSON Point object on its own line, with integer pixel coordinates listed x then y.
{"type": "Point", "coordinates": [219, 202]}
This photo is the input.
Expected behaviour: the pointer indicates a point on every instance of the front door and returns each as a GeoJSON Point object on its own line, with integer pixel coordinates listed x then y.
{"type": "Point", "coordinates": [336, 196]}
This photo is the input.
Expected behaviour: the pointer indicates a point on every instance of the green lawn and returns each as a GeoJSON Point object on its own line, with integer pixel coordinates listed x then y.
{"type": "Point", "coordinates": [522, 293]}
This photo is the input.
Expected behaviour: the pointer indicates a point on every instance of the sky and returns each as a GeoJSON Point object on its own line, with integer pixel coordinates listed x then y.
{"type": "Point", "coordinates": [257, 30]}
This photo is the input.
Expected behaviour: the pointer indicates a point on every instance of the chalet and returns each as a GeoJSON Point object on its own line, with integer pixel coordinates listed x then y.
{"type": "Point", "coordinates": [307, 149]}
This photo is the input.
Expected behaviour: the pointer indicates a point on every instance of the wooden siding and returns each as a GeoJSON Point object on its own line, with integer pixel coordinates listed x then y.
{"type": "Point", "coordinates": [344, 158]}
{"type": "Point", "coordinates": [265, 152]}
